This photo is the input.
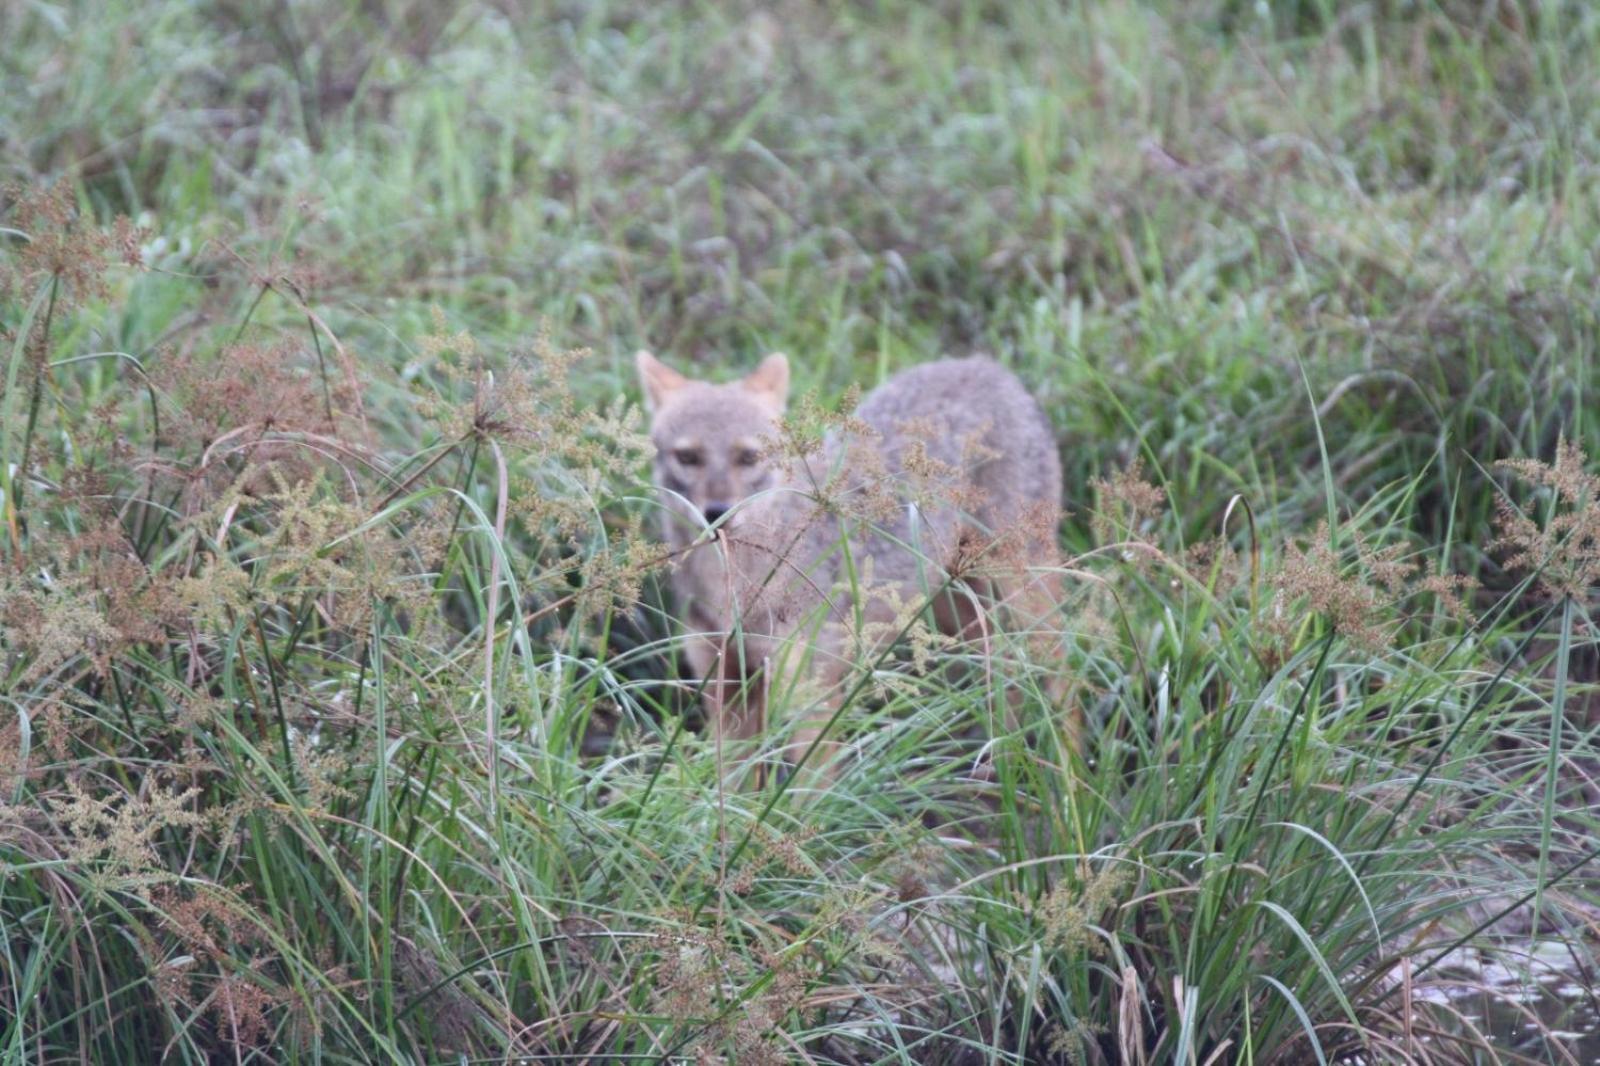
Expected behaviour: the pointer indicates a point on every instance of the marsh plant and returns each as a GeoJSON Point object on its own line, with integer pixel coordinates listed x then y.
{"type": "Point", "coordinates": [296, 754]}
{"type": "Point", "coordinates": [342, 715]}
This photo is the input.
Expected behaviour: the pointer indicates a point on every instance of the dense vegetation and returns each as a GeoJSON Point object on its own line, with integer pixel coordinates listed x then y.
{"type": "Point", "coordinates": [339, 711]}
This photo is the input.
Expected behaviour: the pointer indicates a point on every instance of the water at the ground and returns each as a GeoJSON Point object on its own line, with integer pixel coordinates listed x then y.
{"type": "Point", "coordinates": [1537, 1002]}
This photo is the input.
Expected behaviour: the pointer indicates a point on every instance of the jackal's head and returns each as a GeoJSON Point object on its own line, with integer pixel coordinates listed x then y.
{"type": "Point", "coordinates": [710, 438]}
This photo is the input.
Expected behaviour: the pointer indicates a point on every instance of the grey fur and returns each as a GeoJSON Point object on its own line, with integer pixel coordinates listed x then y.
{"type": "Point", "coordinates": [965, 429]}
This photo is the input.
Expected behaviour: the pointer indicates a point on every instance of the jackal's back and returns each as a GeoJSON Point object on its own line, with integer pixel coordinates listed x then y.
{"type": "Point", "coordinates": [975, 416]}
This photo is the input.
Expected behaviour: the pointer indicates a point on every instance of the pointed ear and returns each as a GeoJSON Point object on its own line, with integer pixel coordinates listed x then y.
{"type": "Point", "coordinates": [657, 379]}
{"type": "Point", "coordinates": [771, 380]}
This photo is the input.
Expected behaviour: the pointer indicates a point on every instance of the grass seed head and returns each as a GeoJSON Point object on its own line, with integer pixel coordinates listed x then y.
{"type": "Point", "coordinates": [1564, 548]}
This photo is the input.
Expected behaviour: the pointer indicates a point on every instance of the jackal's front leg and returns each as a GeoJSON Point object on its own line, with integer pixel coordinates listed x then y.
{"type": "Point", "coordinates": [732, 692]}
{"type": "Point", "coordinates": [815, 747]}
{"type": "Point", "coordinates": [1032, 600]}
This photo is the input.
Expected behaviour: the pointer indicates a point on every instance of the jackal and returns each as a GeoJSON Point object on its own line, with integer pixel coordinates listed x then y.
{"type": "Point", "coordinates": [940, 494]}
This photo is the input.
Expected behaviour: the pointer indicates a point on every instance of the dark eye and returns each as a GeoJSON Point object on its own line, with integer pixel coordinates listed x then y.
{"type": "Point", "coordinates": [687, 456]}
{"type": "Point", "coordinates": [746, 457]}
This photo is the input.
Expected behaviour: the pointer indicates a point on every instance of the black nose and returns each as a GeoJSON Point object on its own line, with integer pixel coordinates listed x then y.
{"type": "Point", "coordinates": [714, 511]}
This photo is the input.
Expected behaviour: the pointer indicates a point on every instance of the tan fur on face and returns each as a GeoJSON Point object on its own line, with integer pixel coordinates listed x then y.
{"type": "Point", "coordinates": [708, 439]}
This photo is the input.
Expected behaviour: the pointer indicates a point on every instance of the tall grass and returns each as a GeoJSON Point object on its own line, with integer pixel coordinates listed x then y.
{"type": "Point", "coordinates": [342, 715]}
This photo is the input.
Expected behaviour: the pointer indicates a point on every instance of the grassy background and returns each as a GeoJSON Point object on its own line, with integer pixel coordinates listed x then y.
{"type": "Point", "coordinates": [1332, 261]}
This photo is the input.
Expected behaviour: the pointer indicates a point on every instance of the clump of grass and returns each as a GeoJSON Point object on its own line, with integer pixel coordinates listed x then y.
{"type": "Point", "coordinates": [296, 741]}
